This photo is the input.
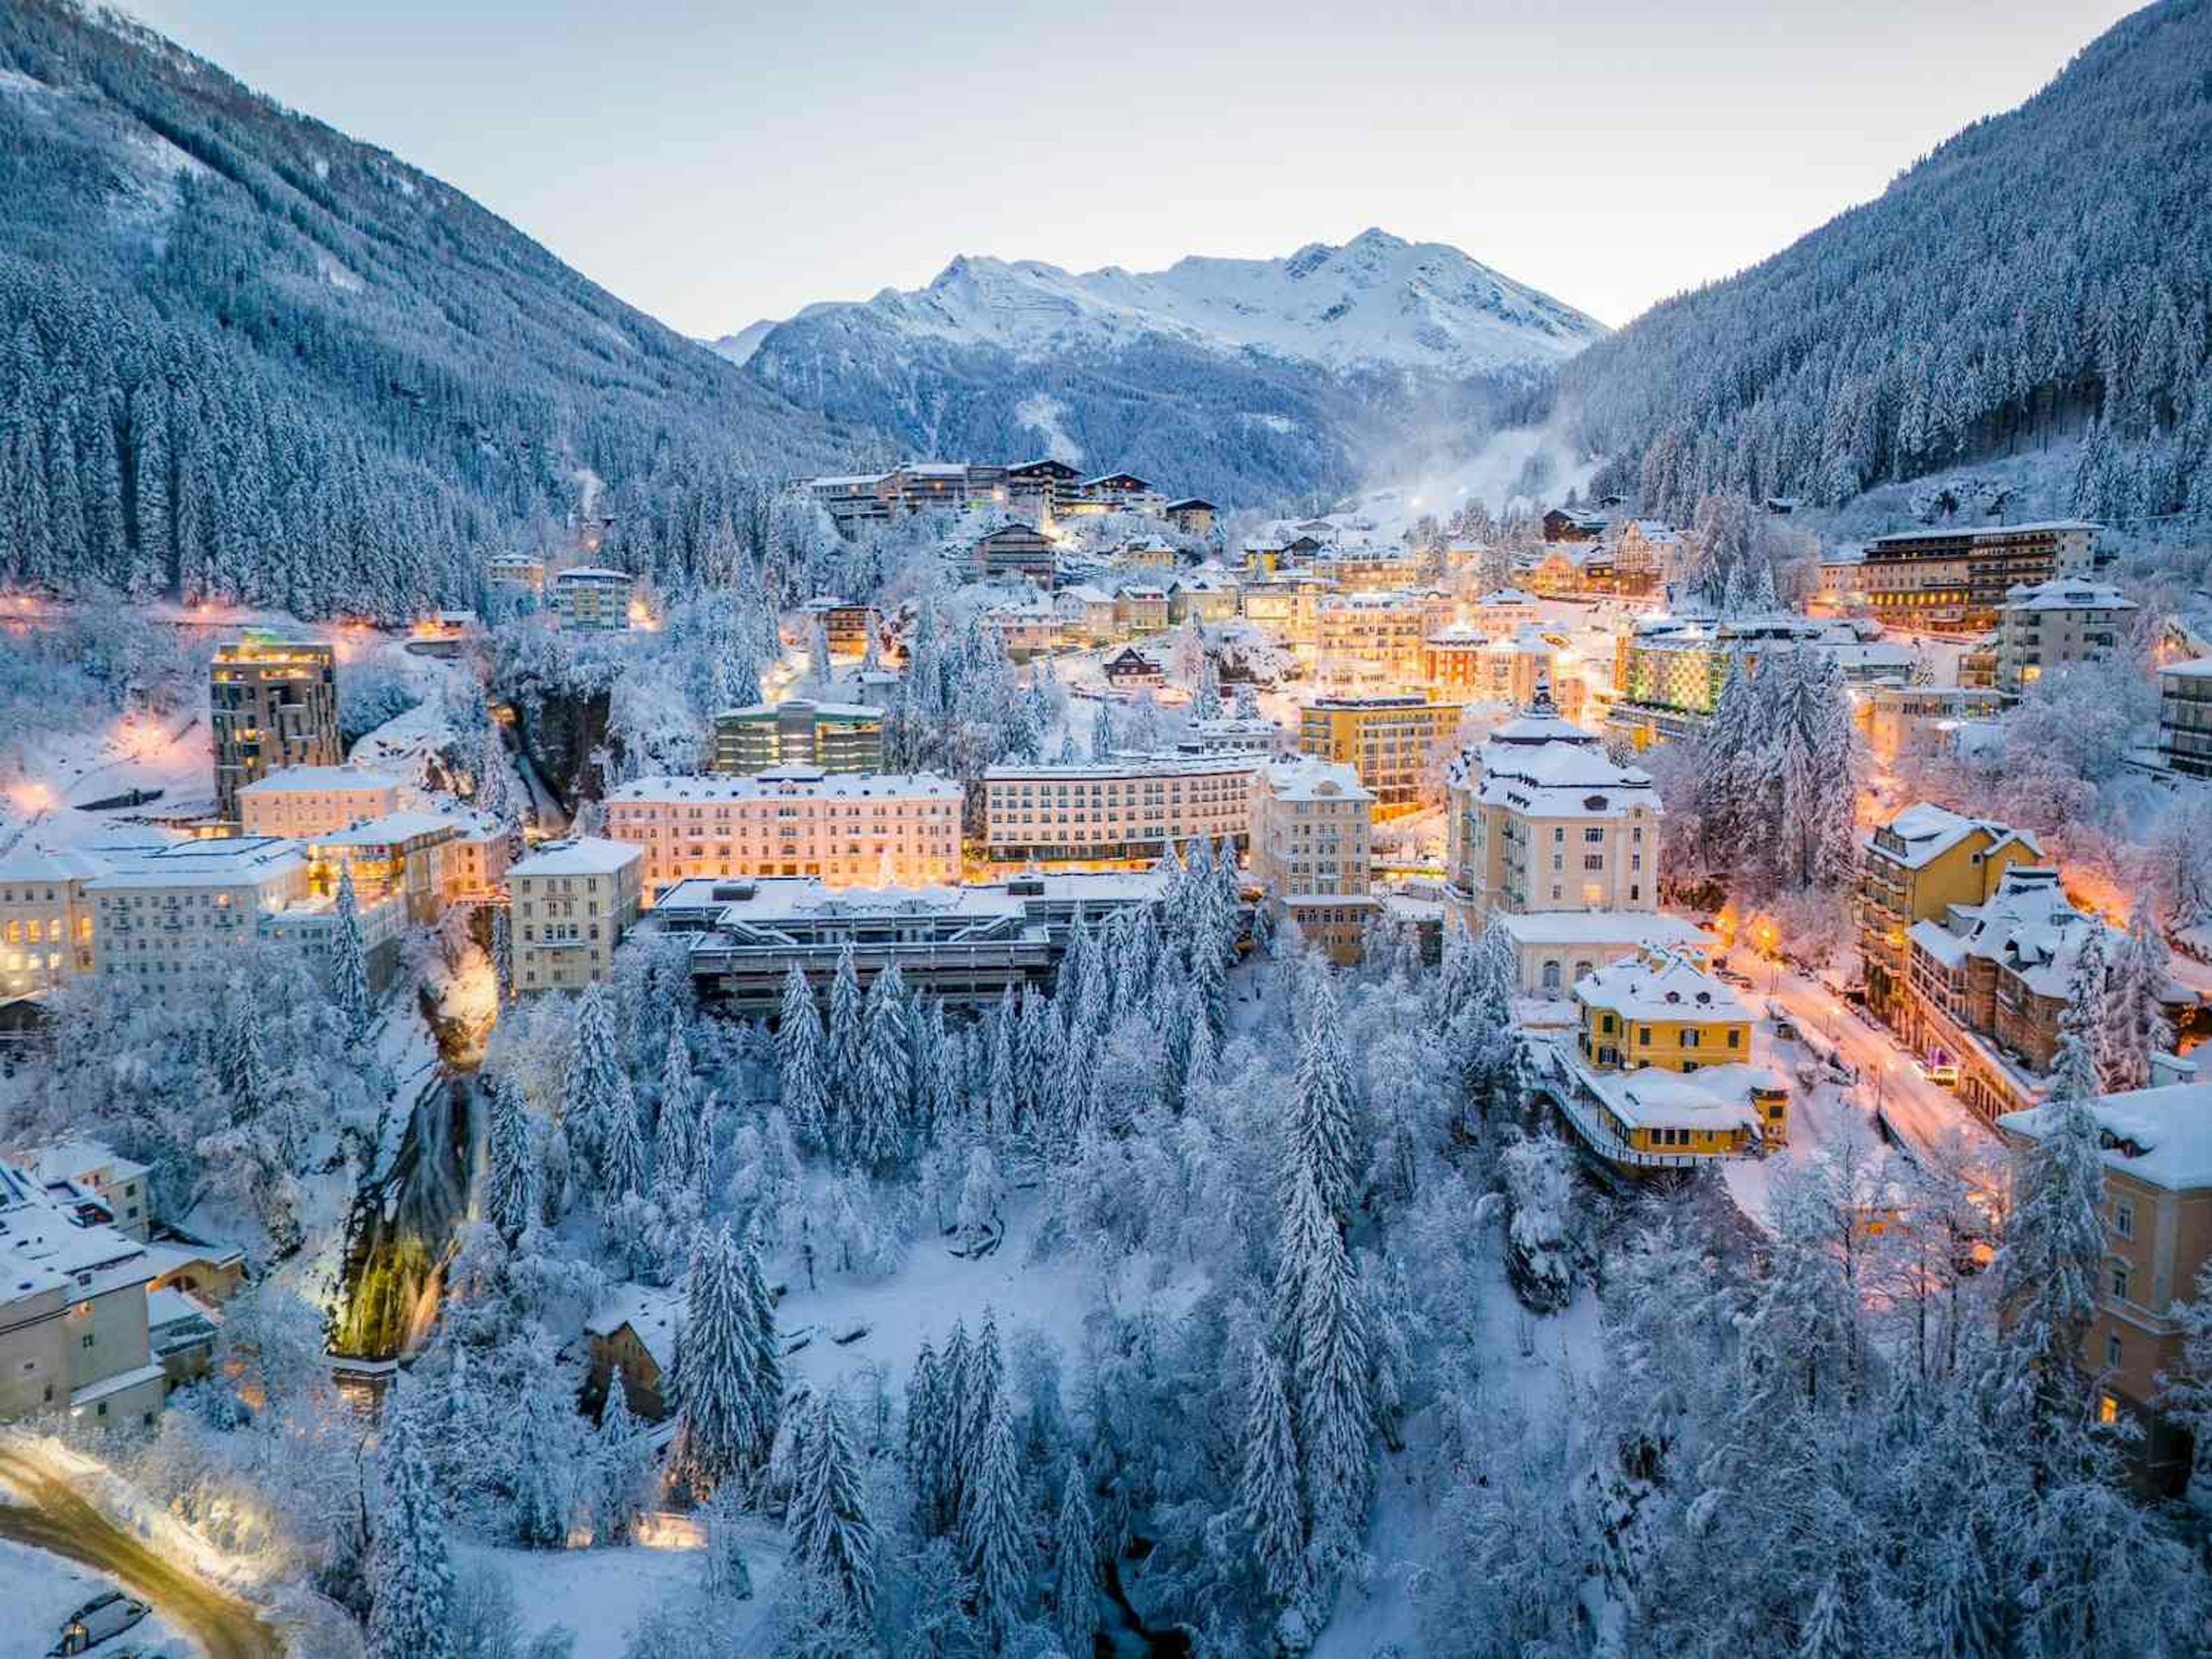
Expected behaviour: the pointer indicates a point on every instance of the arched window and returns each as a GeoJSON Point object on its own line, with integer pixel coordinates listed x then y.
{"type": "Point", "coordinates": [1551, 977]}
{"type": "Point", "coordinates": [1583, 970]}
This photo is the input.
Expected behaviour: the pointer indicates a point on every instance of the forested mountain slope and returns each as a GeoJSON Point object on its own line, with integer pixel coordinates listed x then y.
{"type": "Point", "coordinates": [245, 356]}
{"type": "Point", "coordinates": [2045, 275]}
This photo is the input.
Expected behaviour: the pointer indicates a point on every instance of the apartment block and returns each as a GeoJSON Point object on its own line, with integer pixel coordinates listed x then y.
{"type": "Point", "coordinates": [836, 736]}
{"type": "Point", "coordinates": [1371, 569]}
{"type": "Point", "coordinates": [849, 627]}
{"type": "Point", "coordinates": [1539, 819]}
{"type": "Point", "coordinates": [2158, 1236]}
{"type": "Point", "coordinates": [304, 801]}
{"type": "Point", "coordinates": [849, 830]}
{"type": "Point", "coordinates": [1015, 550]}
{"type": "Point", "coordinates": [1955, 580]}
{"type": "Point", "coordinates": [1914, 869]}
{"type": "Point", "coordinates": [1375, 635]}
{"type": "Point", "coordinates": [2055, 624]}
{"type": "Point", "coordinates": [272, 703]}
{"type": "Point", "coordinates": [1194, 515]}
{"type": "Point", "coordinates": [171, 920]}
{"type": "Point", "coordinates": [1989, 983]}
{"type": "Point", "coordinates": [593, 599]}
{"type": "Point", "coordinates": [46, 917]}
{"type": "Point", "coordinates": [408, 856]}
{"type": "Point", "coordinates": [1128, 809]}
{"type": "Point", "coordinates": [1311, 822]}
{"type": "Point", "coordinates": [569, 904]}
{"type": "Point", "coordinates": [1390, 740]}
{"type": "Point", "coordinates": [516, 575]}
{"type": "Point", "coordinates": [2185, 716]}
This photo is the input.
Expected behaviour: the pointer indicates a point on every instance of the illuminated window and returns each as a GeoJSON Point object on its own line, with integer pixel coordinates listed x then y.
{"type": "Point", "coordinates": [2108, 1408]}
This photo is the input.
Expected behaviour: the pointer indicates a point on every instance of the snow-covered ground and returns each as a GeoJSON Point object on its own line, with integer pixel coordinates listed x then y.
{"type": "Point", "coordinates": [38, 1590]}
{"type": "Point", "coordinates": [600, 1594]}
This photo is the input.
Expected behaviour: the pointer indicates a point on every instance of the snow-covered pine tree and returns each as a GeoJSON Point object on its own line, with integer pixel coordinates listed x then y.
{"type": "Point", "coordinates": [846, 1034]}
{"type": "Point", "coordinates": [674, 1151]}
{"type": "Point", "coordinates": [623, 1469]}
{"type": "Point", "coordinates": [798, 1046]}
{"type": "Point", "coordinates": [2049, 1267]}
{"type": "Point", "coordinates": [502, 955]}
{"type": "Point", "coordinates": [1326, 1368]}
{"type": "Point", "coordinates": [1002, 1088]}
{"type": "Point", "coordinates": [1269, 1509]}
{"type": "Point", "coordinates": [540, 1453]}
{"type": "Point", "coordinates": [1076, 1578]}
{"type": "Point", "coordinates": [243, 1063]}
{"type": "Point", "coordinates": [1102, 733]}
{"type": "Point", "coordinates": [763, 1346]}
{"type": "Point", "coordinates": [493, 791]}
{"type": "Point", "coordinates": [595, 1076]}
{"type": "Point", "coordinates": [1321, 1115]}
{"type": "Point", "coordinates": [884, 1094]}
{"type": "Point", "coordinates": [995, 1529]}
{"type": "Point", "coordinates": [719, 1416]}
{"type": "Point", "coordinates": [622, 1152]}
{"type": "Point", "coordinates": [510, 1177]}
{"type": "Point", "coordinates": [410, 1567]}
{"type": "Point", "coordinates": [2136, 1026]}
{"type": "Point", "coordinates": [349, 962]}
{"type": "Point", "coordinates": [832, 1539]}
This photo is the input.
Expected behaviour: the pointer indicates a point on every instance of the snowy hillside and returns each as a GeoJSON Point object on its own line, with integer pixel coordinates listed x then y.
{"type": "Point", "coordinates": [1249, 381]}
{"type": "Point", "coordinates": [1378, 301]}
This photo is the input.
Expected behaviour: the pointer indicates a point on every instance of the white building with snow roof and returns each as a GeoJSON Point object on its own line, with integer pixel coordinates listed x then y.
{"type": "Point", "coordinates": [570, 902]}
{"type": "Point", "coordinates": [1539, 818]}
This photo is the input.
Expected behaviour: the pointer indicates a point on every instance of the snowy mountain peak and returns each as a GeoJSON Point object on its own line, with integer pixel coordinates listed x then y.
{"type": "Point", "coordinates": [1375, 301]}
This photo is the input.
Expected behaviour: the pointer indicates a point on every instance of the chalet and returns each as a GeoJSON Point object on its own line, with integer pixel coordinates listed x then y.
{"type": "Point", "coordinates": [1124, 492]}
{"type": "Point", "coordinates": [633, 1336]}
{"type": "Point", "coordinates": [1129, 668]}
{"type": "Point", "coordinates": [1567, 524]}
{"type": "Point", "coordinates": [1194, 515]}
{"type": "Point", "coordinates": [1035, 489]}
{"type": "Point", "coordinates": [1304, 549]}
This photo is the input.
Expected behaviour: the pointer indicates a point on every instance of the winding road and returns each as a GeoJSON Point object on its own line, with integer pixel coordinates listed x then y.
{"type": "Point", "coordinates": [53, 1516]}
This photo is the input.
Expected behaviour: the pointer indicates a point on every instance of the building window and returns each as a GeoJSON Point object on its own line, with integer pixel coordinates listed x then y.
{"type": "Point", "coordinates": [2120, 1281]}
{"type": "Point", "coordinates": [2123, 1218]}
{"type": "Point", "coordinates": [2112, 1351]}
{"type": "Point", "coordinates": [2108, 1408]}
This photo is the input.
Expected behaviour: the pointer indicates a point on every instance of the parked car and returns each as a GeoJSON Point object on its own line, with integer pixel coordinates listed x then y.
{"type": "Point", "coordinates": [97, 1621]}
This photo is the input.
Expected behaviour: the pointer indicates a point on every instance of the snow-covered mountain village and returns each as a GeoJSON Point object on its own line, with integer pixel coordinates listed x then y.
{"type": "Point", "coordinates": [1294, 956]}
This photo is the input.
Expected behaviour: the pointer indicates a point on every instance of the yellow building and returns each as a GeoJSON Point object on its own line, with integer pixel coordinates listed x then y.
{"type": "Point", "coordinates": [1381, 634]}
{"type": "Point", "coordinates": [593, 597]}
{"type": "Point", "coordinates": [1647, 1026]}
{"type": "Point", "coordinates": [1914, 868]}
{"type": "Point", "coordinates": [1310, 826]}
{"type": "Point", "coordinates": [2157, 1215]}
{"type": "Point", "coordinates": [1390, 741]}
{"type": "Point", "coordinates": [570, 904]}
{"type": "Point", "coordinates": [1126, 810]}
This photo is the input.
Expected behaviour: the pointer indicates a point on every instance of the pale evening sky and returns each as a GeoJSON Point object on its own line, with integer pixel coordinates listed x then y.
{"type": "Point", "coordinates": [712, 164]}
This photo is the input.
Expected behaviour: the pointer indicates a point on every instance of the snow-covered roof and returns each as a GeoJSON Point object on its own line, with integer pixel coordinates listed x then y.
{"type": "Point", "coordinates": [1189, 501]}
{"type": "Point", "coordinates": [2197, 669]}
{"type": "Point", "coordinates": [2062, 593]}
{"type": "Point", "coordinates": [1927, 831]}
{"type": "Point", "coordinates": [80, 1160]}
{"type": "Point", "coordinates": [847, 480]}
{"type": "Point", "coordinates": [27, 863]}
{"type": "Point", "coordinates": [582, 855]}
{"type": "Point", "coordinates": [297, 780]}
{"type": "Point", "coordinates": [654, 1315]}
{"type": "Point", "coordinates": [832, 711]}
{"type": "Point", "coordinates": [1629, 931]}
{"type": "Point", "coordinates": [2028, 929]}
{"type": "Point", "coordinates": [2162, 1137]}
{"type": "Point", "coordinates": [1083, 593]}
{"type": "Point", "coordinates": [807, 782]}
{"type": "Point", "coordinates": [1713, 1097]}
{"type": "Point", "coordinates": [1660, 984]}
{"type": "Point", "coordinates": [225, 862]}
{"type": "Point", "coordinates": [1306, 777]}
{"type": "Point", "coordinates": [1504, 596]}
{"type": "Point", "coordinates": [392, 827]}
{"type": "Point", "coordinates": [1230, 762]}
{"type": "Point", "coordinates": [593, 573]}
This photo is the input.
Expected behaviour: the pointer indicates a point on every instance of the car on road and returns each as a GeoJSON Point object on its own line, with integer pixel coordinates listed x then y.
{"type": "Point", "coordinates": [97, 1621]}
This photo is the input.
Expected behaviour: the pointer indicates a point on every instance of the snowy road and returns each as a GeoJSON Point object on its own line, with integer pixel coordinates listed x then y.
{"type": "Point", "coordinates": [53, 1516]}
{"type": "Point", "coordinates": [1922, 1115]}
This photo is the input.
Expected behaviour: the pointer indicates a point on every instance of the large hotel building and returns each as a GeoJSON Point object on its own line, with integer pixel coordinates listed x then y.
{"type": "Point", "coordinates": [1955, 579]}
{"type": "Point", "coordinates": [887, 829]}
{"type": "Point", "coordinates": [1389, 740]}
{"type": "Point", "coordinates": [1128, 810]}
{"type": "Point", "coordinates": [272, 703]}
